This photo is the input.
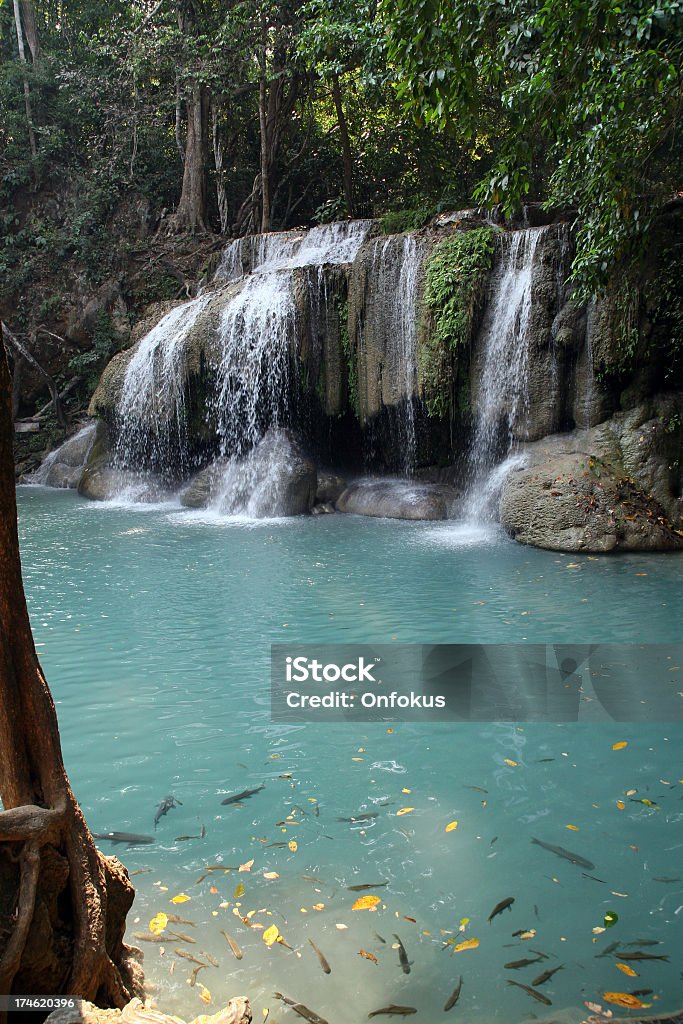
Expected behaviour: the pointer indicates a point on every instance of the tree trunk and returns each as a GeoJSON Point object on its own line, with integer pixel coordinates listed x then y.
{"type": "Point", "coordinates": [265, 160]}
{"type": "Point", "coordinates": [221, 196]}
{"type": "Point", "coordinates": [191, 213]}
{"type": "Point", "coordinates": [345, 144]}
{"type": "Point", "coordinates": [63, 905]}
{"type": "Point", "coordinates": [28, 16]}
{"type": "Point", "coordinates": [27, 92]}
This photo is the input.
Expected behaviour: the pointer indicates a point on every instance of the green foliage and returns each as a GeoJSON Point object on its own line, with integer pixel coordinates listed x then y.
{"type": "Point", "coordinates": [89, 364]}
{"type": "Point", "coordinates": [397, 221]}
{"type": "Point", "coordinates": [581, 97]}
{"type": "Point", "coordinates": [455, 277]}
{"type": "Point", "coordinates": [342, 306]}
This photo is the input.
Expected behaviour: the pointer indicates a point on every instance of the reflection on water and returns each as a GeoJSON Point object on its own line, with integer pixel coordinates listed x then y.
{"type": "Point", "coordinates": [154, 629]}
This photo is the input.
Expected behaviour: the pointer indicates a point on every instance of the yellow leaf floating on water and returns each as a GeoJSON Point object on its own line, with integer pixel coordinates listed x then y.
{"type": "Point", "coordinates": [404, 790]}
{"type": "Point", "coordinates": [239, 891]}
{"type": "Point", "coordinates": [270, 935]}
{"type": "Point", "coordinates": [620, 746]}
{"type": "Point", "coordinates": [510, 762]}
{"type": "Point", "coordinates": [451, 826]}
{"type": "Point", "coordinates": [404, 810]}
{"type": "Point", "coordinates": [247, 866]}
{"type": "Point", "coordinates": [293, 845]}
{"type": "Point", "coordinates": [467, 944]}
{"type": "Point", "coordinates": [366, 902]}
{"type": "Point", "coordinates": [624, 999]}
{"type": "Point", "coordinates": [621, 805]}
{"type": "Point", "coordinates": [270, 875]}
{"type": "Point", "coordinates": [181, 898]}
{"type": "Point", "coordinates": [627, 970]}
{"type": "Point", "coordinates": [158, 923]}
{"type": "Point", "coordinates": [528, 934]}
{"type": "Point", "coordinates": [574, 828]}
{"type": "Point", "coordinates": [205, 995]}
{"type": "Point", "coordinates": [464, 921]}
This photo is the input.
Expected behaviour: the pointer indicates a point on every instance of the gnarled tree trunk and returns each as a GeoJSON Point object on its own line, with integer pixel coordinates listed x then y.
{"type": "Point", "coordinates": [63, 905]}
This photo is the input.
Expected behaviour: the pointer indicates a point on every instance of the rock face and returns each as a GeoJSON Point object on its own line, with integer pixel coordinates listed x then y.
{"type": "Point", "coordinates": [276, 479]}
{"type": "Point", "coordinates": [63, 467]}
{"type": "Point", "coordinates": [100, 480]}
{"type": "Point", "coordinates": [398, 499]}
{"type": "Point", "coordinates": [615, 487]}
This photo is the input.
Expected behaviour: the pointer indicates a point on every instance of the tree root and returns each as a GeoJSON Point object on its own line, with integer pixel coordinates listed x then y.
{"type": "Point", "coordinates": [26, 902]}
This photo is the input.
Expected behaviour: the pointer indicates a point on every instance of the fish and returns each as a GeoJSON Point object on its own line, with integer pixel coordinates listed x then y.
{"type": "Point", "coordinates": [144, 937]}
{"type": "Point", "coordinates": [394, 1010]}
{"type": "Point", "coordinates": [131, 838]}
{"type": "Point", "coordinates": [166, 805]}
{"type": "Point", "coordinates": [478, 789]}
{"type": "Point", "coordinates": [641, 992]}
{"type": "Point", "coordinates": [544, 760]}
{"type": "Point", "coordinates": [515, 965]}
{"type": "Point", "coordinates": [542, 978]}
{"type": "Point", "coordinates": [360, 817]}
{"type": "Point", "coordinates": [244, 795]}
{"type": "Point", "coordinates": [174, 919]}
{"type": "Point", "coordinates": [573, 858]}
{"type": "Point", "coordinates": [505, 904]}
{"type": "Point", "coordinates": [237, 952]}
{"type": "Point", "coordinates": [188, 956]}
{"type": "Point", "coordinates": [403, 956]}
{"type": "Point", "coordinates": [453, 997]}
{"type": "Point", "coordinates": [183, 839]}
{"type": "Point", "coordinates": [368, 956]}
{"type": "Point", "coordinates": [195, 972]}
{"type": "Point", "coordinates": [140, 871]}
{"type": "Point", "coordinates": [645, 942]}
{"type": "Point", "coordinates": [378, 936]}
{"type": "Point", "coordinates": [183, 938]}
{"type": "Point", "coordinates": [366, 885]}
{"type": "Point", "coordinates": [608, 949]}
{"type": "Point", "coordinates": [538, 996]}
{"type": "Point", "coordinates": [321, 957]}
{"type": "Point", "coordinates": [212, 959]}
{"type": "Point", "coordinates": [665, 878]}
{"type": "Point", "coordinates": [642, 956]}
{"type": "Point", "coordinates": [275, 846]}
{"type": "Point", "coordinates": [303, 1011]}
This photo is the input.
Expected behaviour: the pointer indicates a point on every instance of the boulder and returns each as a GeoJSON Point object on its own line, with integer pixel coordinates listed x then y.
{"type": "Point", "coordinates": [330, 487]}
{"type": "Point", "coordinates": [276, 479]}
{"type": "Point", "coordinates": [579, 502]}
{"type": "Point", "coordinates": [398, 499]}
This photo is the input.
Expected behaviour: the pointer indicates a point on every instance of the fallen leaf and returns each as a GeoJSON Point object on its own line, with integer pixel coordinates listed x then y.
{"type": "Point", "coordinates": [270, 935]}
{"type": "Point", "coordinates": [404, 810]}
{"type": "Point", "coordinates": [181, 898]}
{"type": "Point", "coordinates": [205, 995]}
{"type": "Point", "coordinates": [341, 927]}
{"type": "Point", "coordinates": [239, 891]}
{"type": "Point", "coordinates": [366, 902]}
{"type": "Point", "coordinates": [318, 906]}
{"type": "Point", "coordinates": [528, 934]}
{"type": "Point", "coordinates": [406, 790]}
{"type": "Point", "coordinates": [627, 970]}
{"type": "Point", "coordinates": [620, 745]}
{"type": "Point", "coordinates": [293, 845]}
{"type": "Point", "coordinates": [510, 762]}
{"type": "Point", "coordinates": [247, 866]}
{"type": "Point", "coordinates": [451, 826]}
{"type": "Point", "coordinates": [213, 890]}
{"type": "Point", "coordinates": [611, 918]}
{"type": "Point", "coordinates": [158, 923]}
{"type": "Point", "coordinates": [467, 944]}
{"type": "Point", "coordinates": [624, 999]}
{"type": "Point", "coordinates": [270, 875]}
{"type": "Point", "coordinates": [574, 828]}
{"type": "Point", "coordinates": [621, 805]}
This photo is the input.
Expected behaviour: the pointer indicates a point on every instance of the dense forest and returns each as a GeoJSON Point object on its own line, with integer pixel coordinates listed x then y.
{"type": "Point", "coordinates": [126, 127]}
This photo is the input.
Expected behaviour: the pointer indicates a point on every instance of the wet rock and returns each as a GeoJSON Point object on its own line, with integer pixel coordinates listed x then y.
{"type": "Point", "coordinates": [330, 486]}
{"type": "Point", "coordinates": [63, 467]}
{"type": "Point", "coordinates": [616, 486]}
{"type": "Point", "coordinates": [236, 1011]}
{"type": "Point", "coordinates": [398, 499]}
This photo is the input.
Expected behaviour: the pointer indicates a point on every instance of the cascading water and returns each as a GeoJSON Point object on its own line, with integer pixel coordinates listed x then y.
{"type": "Point", "coordinates": [153, 393]}
{"type": "Point", "coordinates": [63, 466]}
{"type": "Point", "coordinates": [389, 362]}
{"type": "Point", "coordinates": [503, 386]}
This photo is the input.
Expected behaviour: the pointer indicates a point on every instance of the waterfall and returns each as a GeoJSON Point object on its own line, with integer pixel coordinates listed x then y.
{"type": "Point", "coordinates": [387, 340]}
{"type": "Point", "coordinates": [248, 357]}
{"type": "Point", "coordinates": [152, 396]}
{"type": "Point", "coordinates": [63, 466]}
{"type": "Point", "coordinates": [503, 387]}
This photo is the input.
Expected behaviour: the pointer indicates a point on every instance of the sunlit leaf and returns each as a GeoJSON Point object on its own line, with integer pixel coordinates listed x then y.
{"type": "Point", "coordinates": [404, 810]}
{"type": "Point", "coordinates": [620, 745]}
{"type": "Point", "coordinates": [366, 902]}
{"type": "Point", "coordinates": [466, 944]}
{"type": "Point", "coordinates": [239, 890]}
{"type": "Point", "coordinates": [627, 970]}
{"type": "Point", "coordinates": [270, 935]}
{"type": "Point", "coordinates": [158, 923]}
{"type": "Point", "coordinates": [181, 898]}
{"type": "Point", "coordinates": [293, 845]}
{"type": "Point", "coordinates": [451, 826]}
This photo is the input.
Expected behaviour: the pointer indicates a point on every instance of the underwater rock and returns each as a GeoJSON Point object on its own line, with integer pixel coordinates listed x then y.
{"type": "Point", "coordinates": [237, 1011]}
